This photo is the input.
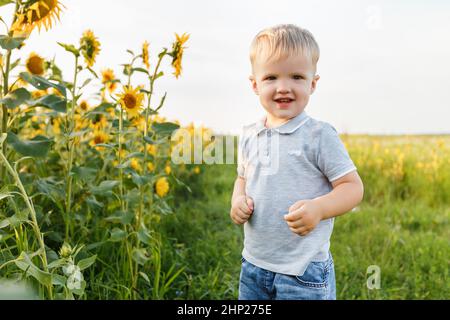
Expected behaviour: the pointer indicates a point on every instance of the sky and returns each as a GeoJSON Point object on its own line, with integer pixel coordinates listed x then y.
{"type": "Point", "coordinates": [384, 66]}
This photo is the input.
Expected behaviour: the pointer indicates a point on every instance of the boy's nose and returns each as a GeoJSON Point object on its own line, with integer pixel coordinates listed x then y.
{"type": "Point", "coordinates": [283, 89]}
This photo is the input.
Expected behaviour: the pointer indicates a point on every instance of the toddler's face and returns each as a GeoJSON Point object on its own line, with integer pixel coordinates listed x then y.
{"type": "Point", "coordinates": [284, 86]}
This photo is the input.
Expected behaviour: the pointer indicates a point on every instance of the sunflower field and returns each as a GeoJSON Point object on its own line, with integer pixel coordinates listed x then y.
{"type": "Point", "coordinates": [78, 178]}
{"type": "Point", "coordinates": [93, 205]}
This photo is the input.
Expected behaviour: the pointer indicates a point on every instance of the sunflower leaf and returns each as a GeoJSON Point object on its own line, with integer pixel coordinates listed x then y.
{"type": "Point", "coordinates": [135, 155]}
{"type": "Point", "coordinates": [85, 83]}
{"type": "Point", "coordinates": [140, 255]}
{"type": "Point", "coordinates": [16, 98]}
{"type": "Point", "coordinates": [165, 128]}
{"type": "Point", "coordinates": [86, 263]}
{"type": "Point", "coordinates": [14, 64]}
{"type": "Point", "coordinates": [139, 70]}
{"type": "Point", "coordinates": [4, 2]}
{"type": "Point", "coordinates": [84, 173]}
{"type": "Point", "coordinates": [24, 263]}
{"type": "Point", "coordinates": [126, 69]}
{"type": "Point", "coordinates": [36, 147]}
{"type": "Point", "coordinates": [93, 72]}
{"type": "Point", "coordinates": [160, 74]}
{"type": "Point", "coordinates": [70, 48]}
{"type": "Point", "coordinates": [117, 235]}
{"type": "Point", "coordinates": [104, 188]}
{"type": "Point", "coordinates": [149, 140]}
{"type": "Point", "coordinates": [161, 103]}
{"type": "Point", "coordinates": [10, 43]}
{"type": "Point", "coordinates": [51, 101]}
{"type": "Point", "coordinates": [42, 83]}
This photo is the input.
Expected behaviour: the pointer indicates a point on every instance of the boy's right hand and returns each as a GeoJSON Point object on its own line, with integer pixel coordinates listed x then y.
{"type": "Point", "coordinates": [241, 209]}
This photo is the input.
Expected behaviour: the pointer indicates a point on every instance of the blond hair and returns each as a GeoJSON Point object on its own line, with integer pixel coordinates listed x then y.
{"type": "Point", "coordinates": [282, 41]}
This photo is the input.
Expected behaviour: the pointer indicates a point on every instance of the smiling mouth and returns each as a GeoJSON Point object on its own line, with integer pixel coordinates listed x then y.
{"type": "Point", "coordinates": [284, 100]}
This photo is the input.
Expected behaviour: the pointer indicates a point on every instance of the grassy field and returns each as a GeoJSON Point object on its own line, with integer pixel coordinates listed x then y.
{"type": "Point", "coordinates": [401, 226]}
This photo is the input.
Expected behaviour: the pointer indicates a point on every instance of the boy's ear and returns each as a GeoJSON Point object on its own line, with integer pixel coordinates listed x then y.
{"type": "Point", "coordinates": [254, 85]}
{"type": "Point", "coordinates": [314, 83]}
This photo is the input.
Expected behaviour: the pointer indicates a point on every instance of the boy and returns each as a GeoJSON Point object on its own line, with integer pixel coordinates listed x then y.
{"type": "Point", "coordinates": [294, 176]}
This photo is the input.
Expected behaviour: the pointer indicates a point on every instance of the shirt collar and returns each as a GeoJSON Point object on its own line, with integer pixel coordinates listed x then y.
{"type": "Point", "coordinates": [286, 128]}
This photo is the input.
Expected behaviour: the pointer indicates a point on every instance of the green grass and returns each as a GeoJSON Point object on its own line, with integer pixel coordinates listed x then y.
{"type": "Point", "coordinates": [407, 239]}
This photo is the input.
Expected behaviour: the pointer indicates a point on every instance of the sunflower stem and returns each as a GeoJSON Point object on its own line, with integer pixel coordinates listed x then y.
{"type": "Point", "coordinates": [120, 160]}
{"type": "Point", "coordinates": [34, 224]}
{"type": "Point", "coordinates": [71, 143]}
{"type": "Point", "coordinates": [5, 92]}
{"type": "Point", "coordinates": [146, 126]}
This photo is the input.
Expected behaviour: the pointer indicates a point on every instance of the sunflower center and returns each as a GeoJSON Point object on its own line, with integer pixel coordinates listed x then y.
{"type": "Point", "coordinates": [99, 139]}
{"type": "Point", "coordinates": [83, 105]}
{"type": "Point", "coordinates": [90, 48]}
{"type": "Point", "coordinates": [130, 101]}
{"type": "Point", "coordinates": [35, 65]}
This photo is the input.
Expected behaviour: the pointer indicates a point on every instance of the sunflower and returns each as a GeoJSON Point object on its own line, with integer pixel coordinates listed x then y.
{"type": "Point", "coordinates": [56, 123]}
{"type": "Point", "coordinates": [65, 251]}
{"type": "Point", "coordinates": [177, 52]}
{"type": "Point", "coordinates": [107, 78]}
{"type": "Point", "coordinates": [145, 54]}
{"type": "Point", "coordinates": [84, 106]}
{"type": "Point", "coordinates": [55, 91]}
{"type": "Point", "coordinates": [151, 149]}
{"type": "Point", "coordinates": [98, 137]}
{"type": "Point", "coordinates": [162, 187]}
{"type": "Point", "coordinates": [37, 13]}
{"type": "Point", "coordinates": [80, 122]}
{"type": "Point", "coordinates": [99, 122]}
{"type": "Point", "coordinates": [135, 165]}
{"type": "Point", "coordinates": [35, 64]}
{"type": "Point", "coordinates": [90, 47]}
{"type": "Point", "coordinates": [168, 169]}
{"type": "Point", "coordinates": [111, 111]}
{"type": "Point", "coordinates": [150, 167]}
{"type": "Point", "coordinates": [139, 122]}
{"type": "Point", "coordinates": [131, 101]}
{"type": "Point", "coordinates": [38, 93]}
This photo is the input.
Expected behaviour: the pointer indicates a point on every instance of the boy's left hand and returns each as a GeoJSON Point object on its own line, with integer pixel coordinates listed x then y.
{"type": "Point", "coordinates": [303, 216]}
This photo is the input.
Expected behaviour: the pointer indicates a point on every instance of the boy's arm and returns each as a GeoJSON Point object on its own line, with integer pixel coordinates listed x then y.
{"type": "Point", "coordinates": [241, 204]}
{"type": "Point", "coordinates": [347, 193]}
{"type": "Point", "coordinates": [304, 215]}
{"type": "Point", "coordinates": [239, 189]}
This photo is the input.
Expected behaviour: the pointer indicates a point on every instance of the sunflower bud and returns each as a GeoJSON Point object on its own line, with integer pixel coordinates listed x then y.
{"type": "Point", "coordinates": [65, 251]}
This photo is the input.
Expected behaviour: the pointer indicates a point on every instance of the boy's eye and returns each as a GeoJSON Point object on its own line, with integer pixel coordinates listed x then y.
{"type": "Point", "coordinates": [297, 77]}
{"type": "Point", "coordinates": [270, 78]}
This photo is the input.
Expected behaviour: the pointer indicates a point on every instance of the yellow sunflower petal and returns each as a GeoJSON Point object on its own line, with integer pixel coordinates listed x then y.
{"type": "Point", "coordinates": [131, 101]}
{"type": "Point", "coordinates": [90, 47]}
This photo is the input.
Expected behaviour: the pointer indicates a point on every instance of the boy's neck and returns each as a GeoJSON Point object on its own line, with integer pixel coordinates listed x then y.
{"type": "Point", "coordinates": [271, 122]}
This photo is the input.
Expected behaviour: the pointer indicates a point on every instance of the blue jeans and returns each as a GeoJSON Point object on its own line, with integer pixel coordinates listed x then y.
{"type": "Point", "coordinates": [317, 283]}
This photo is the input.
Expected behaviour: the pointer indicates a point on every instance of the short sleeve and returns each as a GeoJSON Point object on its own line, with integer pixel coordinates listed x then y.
{"type": "Point", "coordinates": [241, 155]}
{"type": "Point", "coordinates": [333, 159]}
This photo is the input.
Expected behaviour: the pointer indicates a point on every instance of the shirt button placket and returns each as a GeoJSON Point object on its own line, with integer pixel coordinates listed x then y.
{"type": "Point", "coordinates": [269, 135]}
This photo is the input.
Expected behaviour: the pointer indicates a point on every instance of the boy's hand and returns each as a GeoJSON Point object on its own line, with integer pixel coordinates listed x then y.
{"type": "Point", "coordinates": [303, 216]}
{"type": "Point", "coordinates": [242, 209]}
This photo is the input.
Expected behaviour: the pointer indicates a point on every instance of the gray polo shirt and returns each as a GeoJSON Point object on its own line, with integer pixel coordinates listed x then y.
{"type": "Point", "coordinates": [282, 165]}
